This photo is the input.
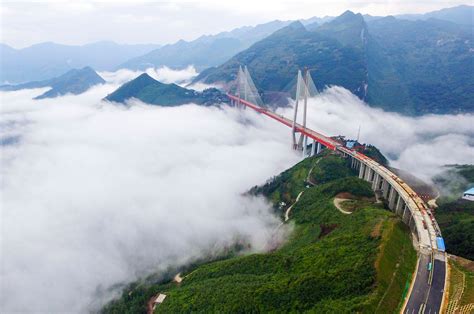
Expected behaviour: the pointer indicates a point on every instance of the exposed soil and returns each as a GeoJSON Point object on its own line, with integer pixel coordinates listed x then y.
{"type": "Point", "coordinates": [326, 229]}
{"type": "Point", "coordinates": [376, 232]}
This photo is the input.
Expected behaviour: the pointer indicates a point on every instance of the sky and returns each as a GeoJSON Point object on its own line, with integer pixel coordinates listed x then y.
{"type": "Point", "coordinates": [24, 23]}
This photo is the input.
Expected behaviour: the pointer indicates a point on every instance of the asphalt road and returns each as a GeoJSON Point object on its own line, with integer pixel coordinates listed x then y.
{"type": "Point", "coordinates": [435, 297]}
{"type": "Point", "coordinates": [420, 288]}
{"type": "Point", "coordinates": [424, 296]}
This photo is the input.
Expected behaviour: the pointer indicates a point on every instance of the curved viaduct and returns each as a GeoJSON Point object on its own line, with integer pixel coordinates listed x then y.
{"type": "Point", "coordinates": [426, 292]}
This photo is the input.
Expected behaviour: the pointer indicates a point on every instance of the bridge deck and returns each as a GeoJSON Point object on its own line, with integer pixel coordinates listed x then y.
{"type": "Point", "coordinates": [326, 141]}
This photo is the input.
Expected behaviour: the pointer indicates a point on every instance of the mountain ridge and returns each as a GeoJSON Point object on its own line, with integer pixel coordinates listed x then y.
{"type": "Point", "coordinates": [74, 81]}
{"type": "Point", "coordinates": [153, 92]}
{"type": "Point", "coordinates": [410, 67]}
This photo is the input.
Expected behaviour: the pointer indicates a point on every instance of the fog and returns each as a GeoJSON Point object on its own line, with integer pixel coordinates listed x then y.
{"type": "Point", "coordinates": [163, 74]}
{"type": "Point", "coordinates": [420, 145]}
{"type": "Point", "coordinates": [95, 194]}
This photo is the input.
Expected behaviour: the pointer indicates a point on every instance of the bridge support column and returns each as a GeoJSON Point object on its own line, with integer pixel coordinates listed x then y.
{"type": "Point", "coordinates": [399, 206]}
{"type": "Point", "coordinates": [406, 215]}
{"type": "Point", "coordinates": [411, 223]}
{"type": "Point", "coordinates": [385, 188]}
{"type": "Point", "coordinates": [362, 171]}
{"type": "Point", "coordinates": [313, 148]}
{"type": "Point", "coordinates": [355, 163]}
{"type": "Point", "coordinates": [376, 182]}
{"type": "Point", "coordinates": [392, 198]}
{"type": "Point", "coordinates": [368, 174]}
{"type": "Point", "coordinates": [319, 148]}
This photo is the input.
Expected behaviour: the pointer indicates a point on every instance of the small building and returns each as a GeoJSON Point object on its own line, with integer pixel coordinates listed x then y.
{"type": "Point", "coordinates": [159, 299]}
{"type": "Point", "coordinates": [469, 194]}
{"type": "Point", "coordinates": [351, 144]}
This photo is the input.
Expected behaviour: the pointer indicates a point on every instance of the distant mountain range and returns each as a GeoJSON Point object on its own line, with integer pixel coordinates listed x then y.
{"type": "Point", "coordinates": [206, 51]}
{"type": "Point", "coordinates": [412, 67]}
{"type": "Point", "coordinates": [47, 60]}
{"type": "Point", "coordinates": [412, 64]}
{"type": "Point", "coordinates": [74, 81]}
{"type": "Point", "coordinates": [462, 14]}
{"type": "Point", "coordinates": [151, 91]}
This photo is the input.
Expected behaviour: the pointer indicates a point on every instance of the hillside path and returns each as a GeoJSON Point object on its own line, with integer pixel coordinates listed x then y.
{"type": "Point", "coordinates": [337, 203]}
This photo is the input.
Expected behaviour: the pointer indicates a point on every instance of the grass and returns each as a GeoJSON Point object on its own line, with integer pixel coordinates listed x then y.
{"type": "Point", "coordinates": [331, 263]}
{"type": "Point", "coordinates": [461, 284]}
{"type": "Point", "coordinates": [395, 266]}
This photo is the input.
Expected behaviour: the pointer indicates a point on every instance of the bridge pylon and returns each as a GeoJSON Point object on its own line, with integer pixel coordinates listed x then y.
{"type": "Point", "coordinates": [302, 93]}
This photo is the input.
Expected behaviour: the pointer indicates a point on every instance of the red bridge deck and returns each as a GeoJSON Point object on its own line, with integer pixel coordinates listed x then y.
{"type": "Point", "coordinates": [318, 137]}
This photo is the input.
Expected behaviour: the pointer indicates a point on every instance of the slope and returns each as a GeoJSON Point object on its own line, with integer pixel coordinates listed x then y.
{"type": "Point", "coordinates": [273, 61]}
{"type": "Point", "coordinates": [332, 262]}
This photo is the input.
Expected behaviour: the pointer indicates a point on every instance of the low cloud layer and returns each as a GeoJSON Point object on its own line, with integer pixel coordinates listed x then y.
{"type": "Point", "coordinates": [421, 145]}
{"type": "Point", "coordinates": [163, 74]}
{"type": "Point", "coordinates": [95, 194]}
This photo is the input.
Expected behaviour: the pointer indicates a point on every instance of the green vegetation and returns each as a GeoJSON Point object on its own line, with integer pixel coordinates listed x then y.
{"type": "Point", "coordinates": [332, 262]}
{"type": "Point", "coordinates": [150, 91]}
{"type": "Point", "coordinates": [456, 220]}
{"type": "Point", "coordinates": [286, 186]}
{"type": "Point", "coordinates": [454, 215]}
{"type": "Point", "coordinates": [374, 153]}
{"type": "Point", "coordinates": [395, 267]}
{"type": "Point", "coordinates": [461, 285]}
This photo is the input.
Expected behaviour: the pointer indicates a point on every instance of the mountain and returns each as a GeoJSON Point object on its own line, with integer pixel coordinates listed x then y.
{"type": "Point", "coordinates": [206, 51]}
{"type": "Point", "coordinates": [75, 81]}
{"type": "Point", "coordinates": [462, 14]}
{"type": "Point", "coordinates": [47, 60]}
{"type": "Point", "coordinates": [274, 61]}
{"type": "Point", "coordinates": [151, 91]}
{"type": "Point", "coordinates": [432, 61]}
{"type": "Point", "coordinates": [331, 263]}
{"type": "Point", "coordinates": [411, 67]}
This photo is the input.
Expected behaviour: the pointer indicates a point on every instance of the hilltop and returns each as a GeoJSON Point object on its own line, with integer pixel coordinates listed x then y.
{"type": "Point", "coordinates": [151, 91]}
{"type": "Point", "coordinates": [75, 81]}
{"type": "Point", "coordinates": [332, 262]}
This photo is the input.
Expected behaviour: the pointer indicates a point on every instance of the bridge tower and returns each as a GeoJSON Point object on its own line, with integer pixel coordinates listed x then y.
{"type": "Point", "coordinates": [302, 92]}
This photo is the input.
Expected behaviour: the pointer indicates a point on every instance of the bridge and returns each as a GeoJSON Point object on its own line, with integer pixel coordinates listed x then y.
{"type": "Point", "coordinates": [426, 292]}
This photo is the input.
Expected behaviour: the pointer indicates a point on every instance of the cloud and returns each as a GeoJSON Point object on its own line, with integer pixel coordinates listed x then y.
{"type": "Point", "coordinates": [29, 22]}
{"type": "Point", "coordinates": [95, 194]}
{"type": "Point", "coordinates": [163, 74]}
{"type": "Point", "coordinates": [421, 145]}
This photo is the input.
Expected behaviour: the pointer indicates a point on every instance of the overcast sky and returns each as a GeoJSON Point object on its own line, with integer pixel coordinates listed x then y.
{"type": "Point", "coordinates": [24, 23]}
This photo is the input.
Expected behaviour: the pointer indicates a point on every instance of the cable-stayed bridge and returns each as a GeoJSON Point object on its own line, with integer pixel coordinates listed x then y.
{"type": "Point", "coordinates": [426, 293]}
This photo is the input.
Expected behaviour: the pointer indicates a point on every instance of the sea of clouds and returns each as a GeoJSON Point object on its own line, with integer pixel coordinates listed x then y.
{"type": "Point", "coordinates": [421, 145]}
{"type": "Point", "coordinates": [94, 194]}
